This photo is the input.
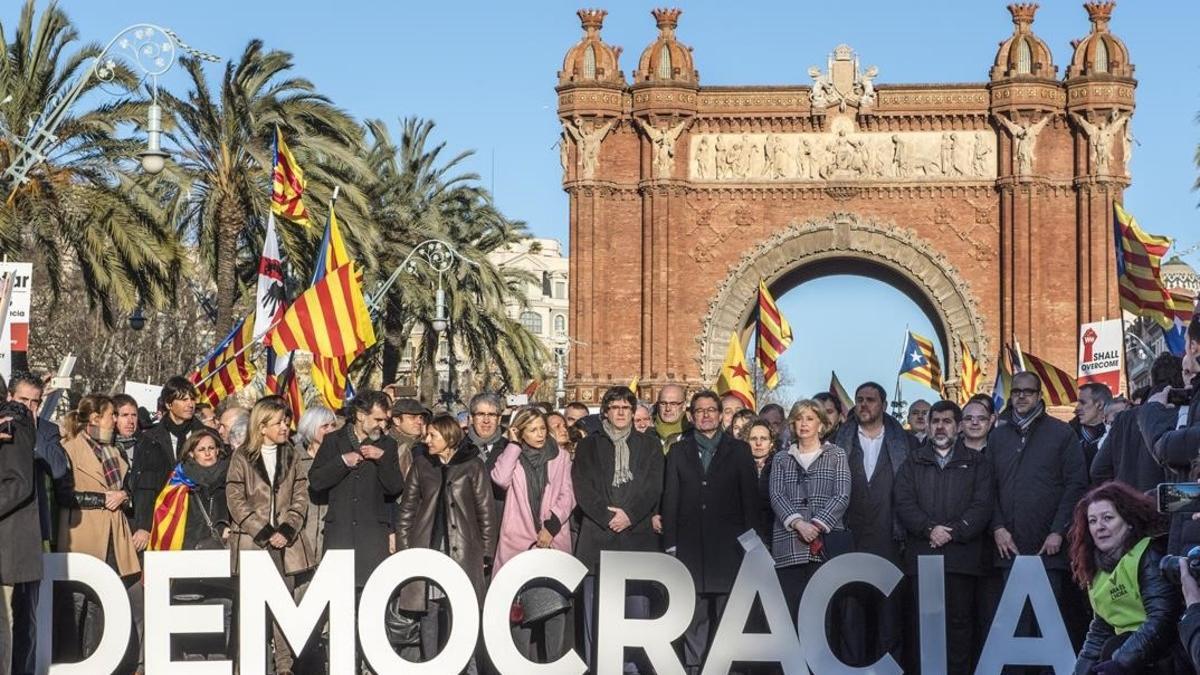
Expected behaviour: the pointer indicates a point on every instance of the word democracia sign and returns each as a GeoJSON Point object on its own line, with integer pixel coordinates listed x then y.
{"type": "Point", "coordinates": [799, 649]}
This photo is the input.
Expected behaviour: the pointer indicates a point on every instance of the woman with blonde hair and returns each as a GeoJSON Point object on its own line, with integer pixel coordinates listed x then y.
{"type": "Point", "coordinates": [94, 522]}
{"type": "Point", "coordinates": [267, 492]}
{"type": "Point", "coordinates": [810, 491]}
{"type": "Point", "coordinates": [539, 498]}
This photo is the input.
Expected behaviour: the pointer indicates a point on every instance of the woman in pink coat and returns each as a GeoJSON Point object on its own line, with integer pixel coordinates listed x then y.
{"type": "Point", "coordinates": [539, 498]}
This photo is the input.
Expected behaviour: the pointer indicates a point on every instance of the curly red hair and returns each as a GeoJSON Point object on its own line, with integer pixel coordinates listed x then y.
{"type": "Point", "coordinates": [1136, 509]}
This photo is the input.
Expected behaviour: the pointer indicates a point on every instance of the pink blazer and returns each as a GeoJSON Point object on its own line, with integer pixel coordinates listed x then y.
{"type": "Point", "coordinates": [517, 532]}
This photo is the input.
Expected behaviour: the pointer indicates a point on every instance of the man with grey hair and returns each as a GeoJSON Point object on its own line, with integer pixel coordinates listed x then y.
{"type": "Point", "coordinates": [239, 428]}
{"type": "Point", "coordinates": [485, 434]}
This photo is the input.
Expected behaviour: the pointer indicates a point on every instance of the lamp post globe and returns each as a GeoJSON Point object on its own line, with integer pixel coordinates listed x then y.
{"type": "Point", "coordinates": [137, 320]}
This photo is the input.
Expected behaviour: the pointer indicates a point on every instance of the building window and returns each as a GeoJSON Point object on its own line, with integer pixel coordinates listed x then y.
{"type": "Point", "coordinates": [532, 321]}
{"type": "Point", "coordinates": [1101, 56]}
{"type": "Point", "coordinates": [664, 64]}
{"type": "Point", "coordinates": [560, 324]}
{"type": "Point", "coordinates": [560, 290]}
{"type": "Point", "coordinates": [1024, 57]}
{"type": "Point", "coordinates": [589, 63]}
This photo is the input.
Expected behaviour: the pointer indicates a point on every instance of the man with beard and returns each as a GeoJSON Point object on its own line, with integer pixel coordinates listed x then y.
{"type": "Point", "coordinates": [944, 501]}
{"type": "Point", "coordinates": [357, 473]}
{"type": "Point", "coordinates": [876, 445]}
{"type": "Point", "coordinates": [1039, 477]}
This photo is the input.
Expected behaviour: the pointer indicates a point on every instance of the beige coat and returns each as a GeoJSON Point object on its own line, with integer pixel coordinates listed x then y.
{"type": "Point", "coordinates": [251, 497]}
{"type": "Point", "coordinates": [93, 531]}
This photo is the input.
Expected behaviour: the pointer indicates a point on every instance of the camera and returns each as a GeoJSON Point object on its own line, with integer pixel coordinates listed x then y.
{"type": "Point", "coordinates": [1169, 565]}
{"type": "Point", "coordinates": [1179, 396]}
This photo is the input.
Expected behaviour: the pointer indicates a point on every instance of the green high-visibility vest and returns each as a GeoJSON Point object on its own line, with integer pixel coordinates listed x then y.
{"type": "Point", "coordinates": [1116, 596]}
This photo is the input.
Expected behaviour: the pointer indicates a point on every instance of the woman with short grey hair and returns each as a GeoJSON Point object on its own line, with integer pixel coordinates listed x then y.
{"type": "Point", "coordinates": [315, 422]}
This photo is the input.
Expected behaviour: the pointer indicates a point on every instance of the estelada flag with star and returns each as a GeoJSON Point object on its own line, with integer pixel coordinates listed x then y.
{"type": "Point", "coordinates": [921, 362]}
{"type": "Point", "coordinates": [735, 378]}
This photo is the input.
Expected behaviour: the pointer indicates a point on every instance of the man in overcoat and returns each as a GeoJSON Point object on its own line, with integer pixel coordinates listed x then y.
{"type": "Point", "coordinates": [710, 497]}
{"type": "Point", "coordinates": [618, 478]}
{"type": "Point", "coordinates": [357, 472]}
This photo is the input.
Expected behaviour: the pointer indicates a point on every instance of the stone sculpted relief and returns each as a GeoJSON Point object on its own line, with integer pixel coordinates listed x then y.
{"type": "Point", "coordinates": [843, 155]}
{"type": "Point", "coordinates": [588, 136]}
{"type": "Point", "coordinates": [842, 83]}
{"type": "Point", "coordinates": [1025, 142]}
{"type": "Point", "coordinates": [1100, 139]}
{"type": "Point", "coordinates": [663, 143]}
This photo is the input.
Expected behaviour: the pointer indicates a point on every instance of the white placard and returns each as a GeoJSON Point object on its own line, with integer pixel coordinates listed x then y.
{"type": "Point", "coordinates": [1100, 354]}
{"type": "Point", "coordinates": [14, 336]}
{"type": "Point", "coordinates": [146, 395]}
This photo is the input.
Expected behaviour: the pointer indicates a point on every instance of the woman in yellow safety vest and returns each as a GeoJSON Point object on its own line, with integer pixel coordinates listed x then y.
{"type": "Point", "coordinates": [1115, 559]}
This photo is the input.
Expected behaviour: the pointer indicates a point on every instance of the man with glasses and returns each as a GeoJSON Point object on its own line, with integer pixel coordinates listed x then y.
{"type": "Point", "coordinates": [618, 477]}
{"type": "Point", "coordinates": [710, 497]}
{"type": "Point", "coordinates": [669, 422]}
{"type": "Point", "coordinates": [1039, 478]}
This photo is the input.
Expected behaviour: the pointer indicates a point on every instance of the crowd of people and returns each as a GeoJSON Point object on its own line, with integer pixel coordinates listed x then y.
{"type": "Point", "coordinates": [682, 475]}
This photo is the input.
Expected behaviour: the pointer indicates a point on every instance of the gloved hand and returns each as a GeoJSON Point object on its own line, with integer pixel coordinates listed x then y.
{"type": "Point", "coordinates": [1109, 668]}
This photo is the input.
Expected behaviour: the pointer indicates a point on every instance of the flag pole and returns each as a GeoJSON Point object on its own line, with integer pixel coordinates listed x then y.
{"type": "Point", "coordinates": [903, 351]}
{"type": "Point", "coordinates": [756, 371]}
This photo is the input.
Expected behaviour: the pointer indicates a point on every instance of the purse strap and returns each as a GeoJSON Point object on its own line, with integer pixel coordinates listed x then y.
{"type": "Point", "coordinates": [203, 511]}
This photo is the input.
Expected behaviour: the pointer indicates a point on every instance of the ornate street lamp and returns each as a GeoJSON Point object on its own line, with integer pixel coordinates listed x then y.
{"type": "Point", "coordinates": [152, 50]}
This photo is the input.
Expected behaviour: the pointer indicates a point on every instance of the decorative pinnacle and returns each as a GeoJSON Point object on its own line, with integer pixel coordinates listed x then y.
{"type": "Point", "coordinates": [1099, 13]}
{"type": "Point", "coordinates": [592, 19]}
{"type": "Point", "coordinates": [1022, 13]}
{"type": "Point", "coordinates": [666, 18]}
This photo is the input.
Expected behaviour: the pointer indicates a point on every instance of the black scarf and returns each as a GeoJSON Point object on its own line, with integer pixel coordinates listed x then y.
{"type": "Point", "coordinates": [1090, 433]}
{"type": "Point", "coordinates": [179, 431]}
{"type": "Point", "coordinates": [534, 461]}
{"type": "Point", "coordinates": [1024, 422]}
{"type": "Point", "coordinates": [439, 538]}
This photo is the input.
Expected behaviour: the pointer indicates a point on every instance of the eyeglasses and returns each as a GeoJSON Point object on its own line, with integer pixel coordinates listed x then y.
{"type": "Point", "coordinates": [670, 404]}
{"type": "Point", "coordinates": [975, 418]}
{"type": "Point", "coordinates": [1025, 392]}
{"type": "Point", "coordinates": [486, 415]}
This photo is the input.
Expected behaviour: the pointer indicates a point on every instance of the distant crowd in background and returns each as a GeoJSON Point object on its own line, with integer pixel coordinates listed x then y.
{"type": "Point", "coordinates": [684, 475]}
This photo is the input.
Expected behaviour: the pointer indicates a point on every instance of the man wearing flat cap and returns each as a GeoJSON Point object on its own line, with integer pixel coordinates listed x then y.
{"type": "Point", "coordinates": [409, 418]}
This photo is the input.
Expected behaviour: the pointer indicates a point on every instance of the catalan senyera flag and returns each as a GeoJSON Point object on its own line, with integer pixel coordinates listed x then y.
{"type": "Point", "coordinates": [329, 319]}
{"type": "Point", "coordinates": [971, 375]}
{"type": "Point", "coordinates": [634, 383]}
{"type": "Point", "coordinates": [170, 512]}
{"type": "Point", "coordinates": [774, 335]}
{"type": "Point", "coordinates": [227, 368]}
{"type": "Point", "coordinates": [1058, 387]}
{"type": "Point", "coordinates": [836, 389]}
{"type": "Point", "coordinates": [735, 378]}
{"type": "Point", "coordinates": [287, 185]}
{"type": "Point", "coordinates": [921, 362]}
{"type": "Point", "coordinates": [1139, 273]}
{"type": "Point", "coordinates": [331, 374]}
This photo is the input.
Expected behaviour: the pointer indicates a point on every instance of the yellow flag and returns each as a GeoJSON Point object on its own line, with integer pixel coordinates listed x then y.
{"type": "Point", "coordinates": [734, 378]}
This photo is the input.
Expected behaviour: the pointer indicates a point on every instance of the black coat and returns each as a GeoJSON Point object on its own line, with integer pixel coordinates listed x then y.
{"type": "Point", "coordinates": [489, 454]}
{"type": "Point", "coordinates": [766, 513]}
{"type": "Point", "coordinates": [210, 496]}
{"type": "Point", "coordinates": [21, 550]}
{"type": "Point", "coordinates": [1039, 477]}
{"type": "Point", "coordinates": [1174, 450]}
{"type": "Point", "coordinates": [1189, 634]}
{"type": "Point", "coordinates": [1154, 640]}
{"type": "Point", "coordinates": [870, 517]}
{"type": "Point", "coordinates": [1124, 456]}
{"type": "Point", "coordinates": [359, 499]}
{"type": "Point", "coordinates": [959, 496]}
{"type": "Point", "coordinates": [153, 459]}
{"type": "Point", "coordinates": [704, 512]}
{"type": "Point", "coordinates": [591, 475]}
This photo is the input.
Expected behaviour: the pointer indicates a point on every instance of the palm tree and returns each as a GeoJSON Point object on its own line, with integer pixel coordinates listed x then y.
{"type": "Point", "coordinates": [220, 187]}
{"type": "Point", "coordinates": [418, 195]}
{"type": "Point", "coordinates": [80, 212]}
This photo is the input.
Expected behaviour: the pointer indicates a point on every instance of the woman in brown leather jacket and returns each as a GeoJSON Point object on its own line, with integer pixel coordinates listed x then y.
{"type": "Point", "coordinates": [447, 506]}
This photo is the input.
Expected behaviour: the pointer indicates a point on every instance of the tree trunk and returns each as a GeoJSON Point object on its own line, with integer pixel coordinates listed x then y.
{"type": "Point", "coordinates": [229, 227]}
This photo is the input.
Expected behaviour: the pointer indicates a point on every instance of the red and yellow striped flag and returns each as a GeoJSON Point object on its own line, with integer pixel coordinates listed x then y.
{"type": "Point", "coordinates": [971, 375]}
{"type": "Point", "coordinates": [170, 512]}
{"type": "Point", "coordinates": [287, 185]}
{"type": "Point", "coordinates": [734, 378]}
{"type": "Point", "coordinates": [228, 368]}
{"type": "Point", "coordinates": [1139, 273]}
{"type": "Point", "coordinates": [1058, 387]}
{"type": "Point", "coordinates": [331, 374]}
{"type": "Point", "coordinates": [329, 319]}
{"type": "Point", "coordinates": [774, 336]}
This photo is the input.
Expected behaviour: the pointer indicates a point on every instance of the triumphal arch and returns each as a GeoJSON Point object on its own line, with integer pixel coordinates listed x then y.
{"type": "Point", "coordinates": [989, 203]}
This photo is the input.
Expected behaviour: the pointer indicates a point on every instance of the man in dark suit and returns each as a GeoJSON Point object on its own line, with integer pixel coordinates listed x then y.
{"type": "Point", "coordinates": [618, 476]}
{"type": "Point", "coordinates": [710, 497]}
{"type": "Point", "coordinates": [357, 472]}
{"type": "Point", "coordinates": [21, 551]}
{"type": "Point", "coordinates": [876, 445]}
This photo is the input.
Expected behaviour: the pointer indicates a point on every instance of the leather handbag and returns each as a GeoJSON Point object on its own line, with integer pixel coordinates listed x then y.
{"type": "Point", "coordinates": [213, 541]}
{"type": "Point", "coordinates": [538, 603]}
{"type": "Point", "coordinates": [402, 628]}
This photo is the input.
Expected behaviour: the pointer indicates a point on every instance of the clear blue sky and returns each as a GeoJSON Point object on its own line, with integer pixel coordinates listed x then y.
{"type": "Point", "coordinates": [485, 72]}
